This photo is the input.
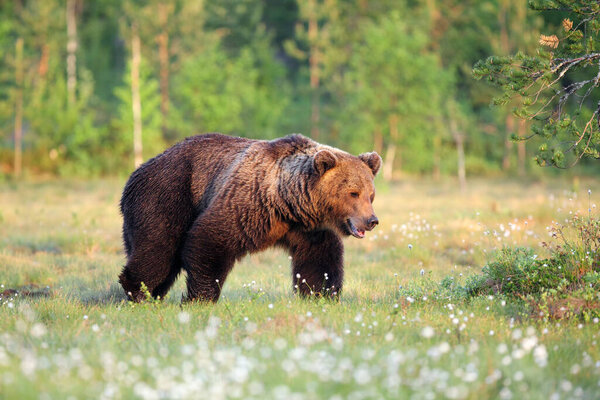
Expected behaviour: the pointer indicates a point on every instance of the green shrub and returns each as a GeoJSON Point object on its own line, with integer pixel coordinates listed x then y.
{"type": "Point", "coordinates": [517, 271]}
{"type": "Point", "coordinates": [565, 284]}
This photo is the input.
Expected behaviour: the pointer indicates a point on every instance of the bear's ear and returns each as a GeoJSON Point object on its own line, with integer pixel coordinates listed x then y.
{"type": "Point", "coordinates": [324, 161]}
{"type": "Point", "coordinates": [373, 161]}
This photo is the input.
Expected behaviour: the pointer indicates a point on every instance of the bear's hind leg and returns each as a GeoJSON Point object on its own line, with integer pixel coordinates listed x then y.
{"type": "Point", "coordinates": [163, 288]}
{"type": "Point", "coordinates": [317, 262]}
{"type": "Point", "coordinates": [205, 282]}
{"type": "Point", "coordinates": [130, 284]}
{"type": "Point", "coordinates": [156, 267]}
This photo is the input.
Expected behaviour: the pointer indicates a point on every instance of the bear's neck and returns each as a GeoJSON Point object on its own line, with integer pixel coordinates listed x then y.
{"type": "Point", "coordinates": [295, 189]}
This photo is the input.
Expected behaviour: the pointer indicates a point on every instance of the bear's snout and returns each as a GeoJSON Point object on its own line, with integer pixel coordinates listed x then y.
{"type": "Point", "coordinates": [372, 222]}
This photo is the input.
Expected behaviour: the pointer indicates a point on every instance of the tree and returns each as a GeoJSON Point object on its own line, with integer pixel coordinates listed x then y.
{"type": "Point", "coordinates": [147, 115]}
{"type": "Point", "coordinates": [136, 104]}
{"type": "Point", "coordinates": [312, 42]}
{"type": "Point", "coordinates": [216, 92]}
{"type": "Point", "coordinates": [136, 15]}
{"type": "Point", "coordinates": [177, 28]}
{"type": "Point", "coordinates": [18, 160]}
{"type": "Point", "coordinates": [57, 128]}
{"type": "Point", "coordinates": [555, 86]}
{"type": "Point", "coordinates": [516, 31]}
{"type": "Point", "coordinates": [395, 86]}
{"type": "Point", "coordinates": [456, 121]}
{"type": "Point", "coordinates": [35, 54]}
{"type": "Point", "coordinates": [71, 49]}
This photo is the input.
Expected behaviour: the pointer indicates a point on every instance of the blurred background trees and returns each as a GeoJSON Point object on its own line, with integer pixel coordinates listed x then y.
{"type": "Point", "coordinates": [94, 87]}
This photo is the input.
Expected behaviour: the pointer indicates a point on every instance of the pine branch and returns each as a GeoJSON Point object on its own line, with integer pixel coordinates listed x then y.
{"type": "Point", "coordinates": [564, 117]}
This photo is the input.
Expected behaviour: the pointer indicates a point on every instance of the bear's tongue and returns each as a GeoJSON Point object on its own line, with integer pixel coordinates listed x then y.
{"type": "Point", "coordinates": [359, 233]}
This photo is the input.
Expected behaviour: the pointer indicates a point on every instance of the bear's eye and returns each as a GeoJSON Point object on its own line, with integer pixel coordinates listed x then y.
{"type": "Point", "coordinates": [354, 194]}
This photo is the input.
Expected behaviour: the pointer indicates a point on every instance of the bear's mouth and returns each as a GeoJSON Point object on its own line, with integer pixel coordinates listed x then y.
{"type": "Point", "coordinates": [353, 230]}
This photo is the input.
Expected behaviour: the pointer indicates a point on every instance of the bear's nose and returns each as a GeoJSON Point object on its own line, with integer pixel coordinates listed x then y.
{"type": "Point", "coordinates": [371, 222]}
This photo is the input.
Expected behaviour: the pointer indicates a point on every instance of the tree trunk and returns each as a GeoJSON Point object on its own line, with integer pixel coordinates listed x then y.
{"type": "Point", "coordinates": [437, 146]}
{"type": "Point", "coordinates": [18, 160]}
{"type": "Point", "coordinates": [314, 116]}
{"type": "Point", "coordinates": [502, 16]}
{"type": "Point", "coordinates": [163, 55]}
{"type": "Point", "coordinates": [434, 23]}
{"type": "Point", "coordinates": [388, 163]}
{"type": "Point", "coordinates": [459, 140]}
{"type": "Point", "coordinates": [521, 148]}
{"type": "Point", "coordinates": [163, 58]}
{"type": "Point", "coordinates": [390, 154]}
{"type": "Point", "coordinates": [505, 49]}
{"type": "Point", "coordinates": [71, 50]}
{"type": "Point", "coordinates": [135, 96]}
{"type": "Point", "coordinates": [460, 151]}
{"type": "Point", "coordinates": [314, 59]}
{"type": "Point", "coordinates": [510, 127]}
{"type": "Point", "coordinates": [378, 140]}
{"type": "Point", "coordinates": [43, 65]}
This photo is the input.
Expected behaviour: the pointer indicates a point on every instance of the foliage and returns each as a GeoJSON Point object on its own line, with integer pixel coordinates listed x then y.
{"type": "Point", "coordinates": [218, 93]}
{"type": "Point", "coordinates": [556, 85]}
{"type": "Point", "coordinates": [122, 124]}
{"type": "Point", "coordinates": [243, 67]}
{"type": "Point", "coordinates": [573, 263]}
{"type": "Point", "coordinates": [64, 135]}
{"type": "Point", "coordinates": [391, 75]}
{"type": "Point", "coordinates": [566, 284]}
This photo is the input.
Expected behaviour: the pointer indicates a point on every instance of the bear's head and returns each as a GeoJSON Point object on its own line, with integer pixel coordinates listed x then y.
{"type": "Point", "coordinates": [345, 190]}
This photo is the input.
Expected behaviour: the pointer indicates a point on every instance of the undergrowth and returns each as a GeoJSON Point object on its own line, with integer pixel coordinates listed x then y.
{"type": "Point", "coordinates": [565, 284]}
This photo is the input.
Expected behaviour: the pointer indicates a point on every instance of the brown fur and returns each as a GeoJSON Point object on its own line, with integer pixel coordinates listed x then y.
{"type": "Point", "coordinates": [209, 200]}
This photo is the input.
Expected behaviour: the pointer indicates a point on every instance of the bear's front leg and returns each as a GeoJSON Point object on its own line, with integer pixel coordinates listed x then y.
{"type": "Point", "coordinates": [207, 261]}
{"type": "Point", "coordinates": [317, 262]}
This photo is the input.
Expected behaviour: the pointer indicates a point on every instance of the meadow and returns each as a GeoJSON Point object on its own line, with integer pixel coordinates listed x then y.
{"type": "Point", "coordinates": [67, 331]}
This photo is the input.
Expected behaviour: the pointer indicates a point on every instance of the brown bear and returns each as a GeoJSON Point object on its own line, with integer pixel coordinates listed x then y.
{"type": "Point", "coordinates": [210, 199]}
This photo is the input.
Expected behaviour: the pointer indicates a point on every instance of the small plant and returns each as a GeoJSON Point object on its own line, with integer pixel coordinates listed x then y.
{"type": "Point", "coordinates": [566, 284]}
{"type": "Point", "coordinates": [514, 272]}
{"type": "Point", "coordinates": [563, 285]}
{"type": "Point", "coordinates": [582, 246]}
{"type": "Point", "coordinates": [148, 296]}
{"type": "Point", "coordinates": [448, 288]}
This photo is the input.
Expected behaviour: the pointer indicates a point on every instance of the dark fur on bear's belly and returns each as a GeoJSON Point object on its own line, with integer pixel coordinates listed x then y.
{"type": "Point", "coordinates": [211, 199]}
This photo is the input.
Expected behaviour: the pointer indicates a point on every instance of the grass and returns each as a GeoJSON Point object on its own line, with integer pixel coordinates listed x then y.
{"type": "Point", "coordinates": [67, 331]}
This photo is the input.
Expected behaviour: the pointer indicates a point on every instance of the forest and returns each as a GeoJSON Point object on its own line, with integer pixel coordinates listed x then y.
{"type": "Point", "coordinates": [93, 88]}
